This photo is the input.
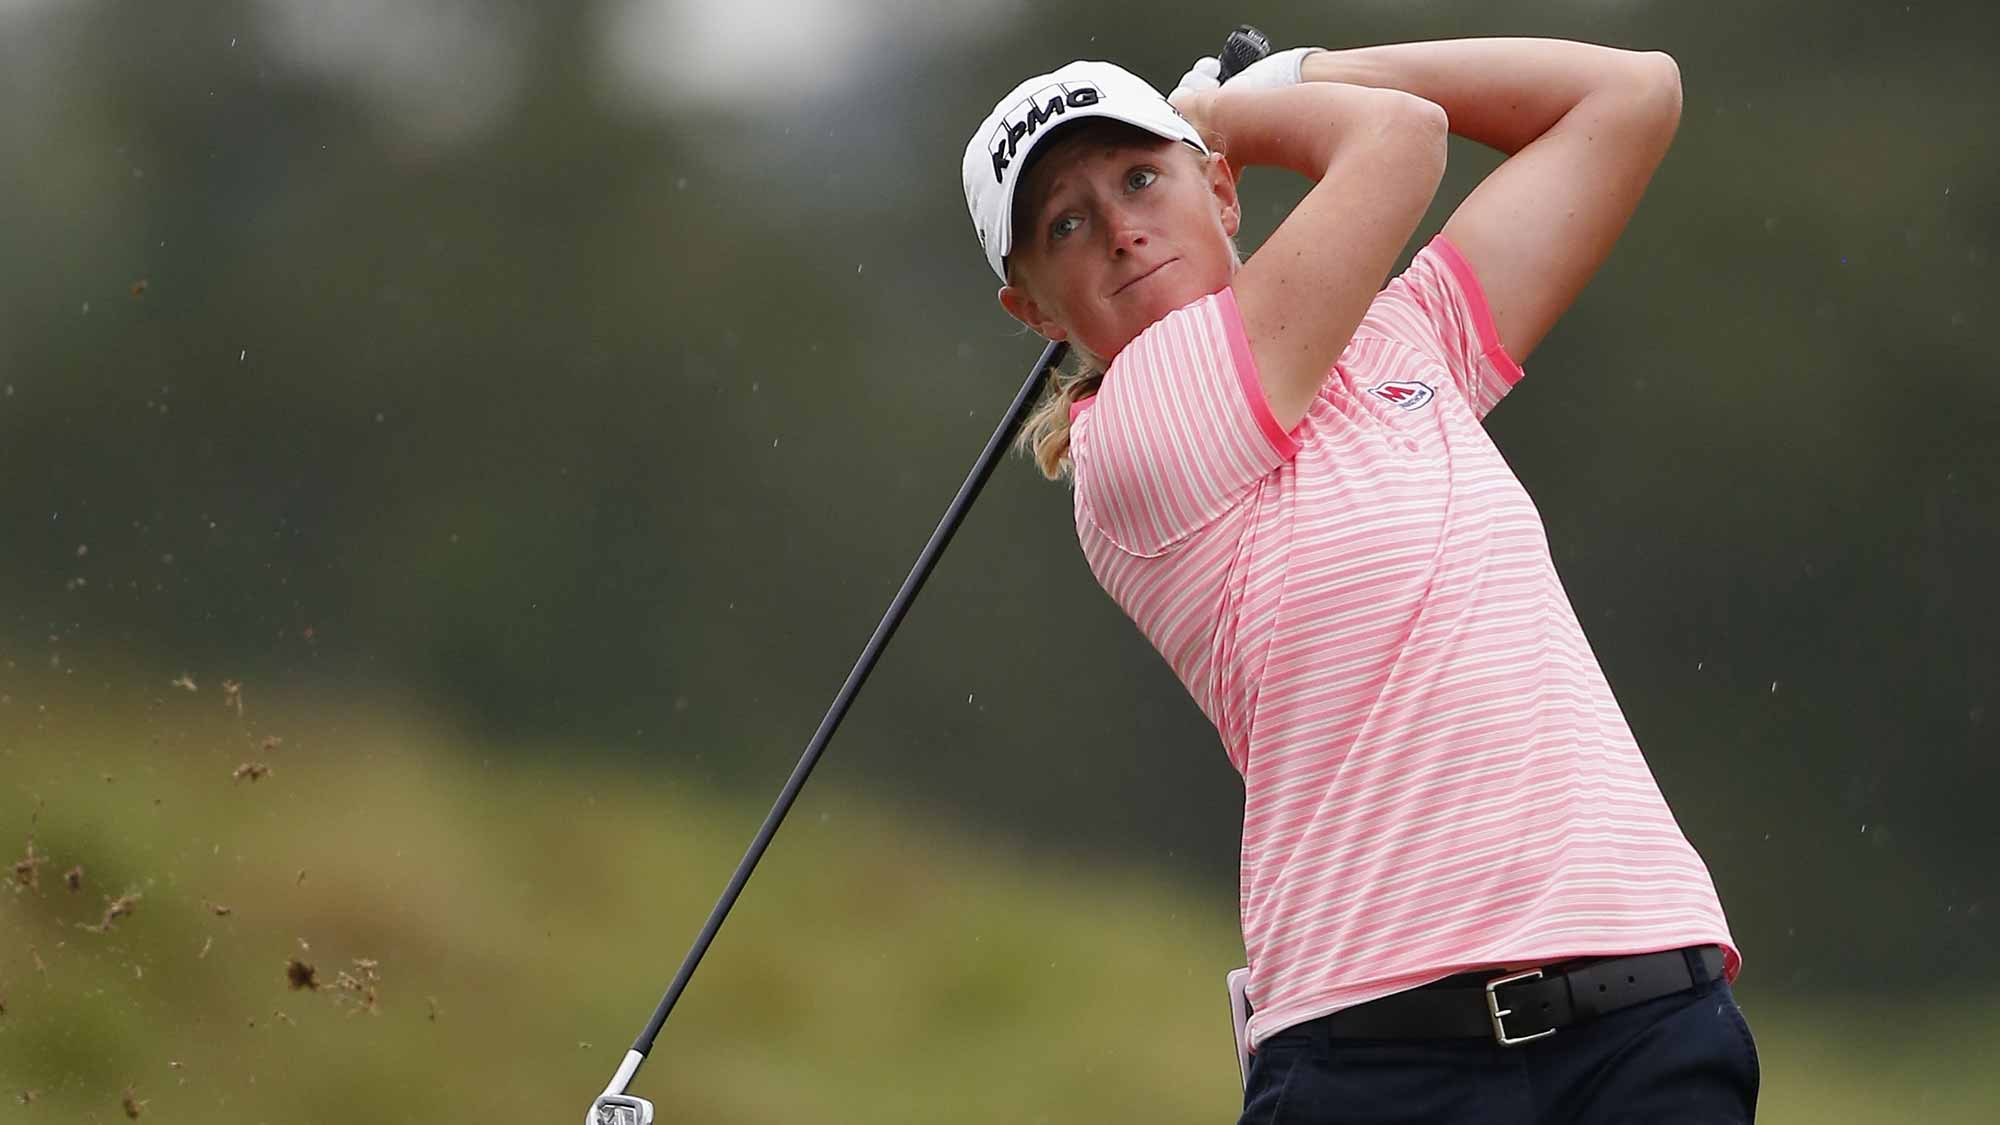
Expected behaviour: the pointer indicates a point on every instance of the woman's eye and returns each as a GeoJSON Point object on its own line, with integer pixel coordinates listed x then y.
{"type": "Point", "coordinates": [1139, 178]}
{"type": "Point", "coordinates": [1064, 226]}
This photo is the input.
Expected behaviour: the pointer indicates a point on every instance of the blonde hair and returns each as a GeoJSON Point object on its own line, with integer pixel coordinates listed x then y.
{"type": "Point", "coordinates": [1045, 435]}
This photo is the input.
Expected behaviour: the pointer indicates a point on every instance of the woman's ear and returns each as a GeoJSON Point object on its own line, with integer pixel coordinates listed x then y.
{"type": "Point", "coordinates": [1222, 182]}
{"type": "Point", "coordinates": [1024, 308]}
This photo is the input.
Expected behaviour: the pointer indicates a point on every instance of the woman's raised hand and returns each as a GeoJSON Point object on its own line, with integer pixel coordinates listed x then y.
{"type": "Point", "coordinates": [1273, 71]}
{"type": "Point", "coordinates": [1203, 76]}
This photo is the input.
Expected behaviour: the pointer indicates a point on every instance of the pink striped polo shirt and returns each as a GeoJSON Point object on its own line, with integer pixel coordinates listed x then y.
{"type": "Point", "coordinates": [1436, 775]}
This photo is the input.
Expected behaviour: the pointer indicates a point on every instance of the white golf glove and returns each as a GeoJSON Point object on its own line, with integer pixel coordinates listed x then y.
{"type": "Point", "coordinates": [1275, 70]}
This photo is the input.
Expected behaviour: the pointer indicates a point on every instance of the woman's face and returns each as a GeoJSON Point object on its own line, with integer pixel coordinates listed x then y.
{"type": "Point", "coordinates": [1113, 231]}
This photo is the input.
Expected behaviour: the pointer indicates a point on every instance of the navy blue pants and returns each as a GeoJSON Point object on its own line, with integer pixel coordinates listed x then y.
{"type": "Point", "coordinates": [1683, 1058]}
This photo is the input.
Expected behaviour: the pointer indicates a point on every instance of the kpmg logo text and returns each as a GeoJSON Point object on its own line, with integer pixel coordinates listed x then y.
{"type": "Point", "coordinates": [1037, 110]}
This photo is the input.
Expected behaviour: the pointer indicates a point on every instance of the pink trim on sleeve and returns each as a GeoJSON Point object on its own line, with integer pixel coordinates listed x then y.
{"type": "Point", "coordinates": [1076, 408]}
{"type": "Point", "coordinates": [1482, 313]}
{"type": "Point", "coordinates": [1246, 375]}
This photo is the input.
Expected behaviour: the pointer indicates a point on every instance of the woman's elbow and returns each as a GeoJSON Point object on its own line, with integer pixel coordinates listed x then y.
{"type": "Point", "coordinates": [1428, 129]}
{"type": "Point", "coordinates": [1657, 79]}
{"type": "Point", "coordinates": [1661, 68]}
{"type": "Point", "coordinates": [1410, 112]}
{"type": "Point", "coordinates": [1406, 131]}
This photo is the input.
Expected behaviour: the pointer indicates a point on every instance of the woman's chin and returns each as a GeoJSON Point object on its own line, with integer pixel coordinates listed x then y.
{"type": "Point", "coordinates": [1155, 304]}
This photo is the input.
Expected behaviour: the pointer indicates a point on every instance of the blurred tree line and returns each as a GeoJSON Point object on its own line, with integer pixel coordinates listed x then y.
{"type": "Point", "coordinates": [590, 374]}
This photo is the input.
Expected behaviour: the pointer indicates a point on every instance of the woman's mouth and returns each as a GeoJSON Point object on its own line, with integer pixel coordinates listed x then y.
{"type": "Point", "coordinates": [1144, 276]}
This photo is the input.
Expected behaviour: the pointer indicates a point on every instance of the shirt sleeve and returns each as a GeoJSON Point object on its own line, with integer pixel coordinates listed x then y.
{"type": "Point", "coordinates": [1438, 307]}
{"type": "Point", "coordinates": [1179, 432]}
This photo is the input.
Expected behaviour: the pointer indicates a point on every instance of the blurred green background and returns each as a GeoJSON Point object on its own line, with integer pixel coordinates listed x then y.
{"type": "Point", "coordinates": [532, 407]}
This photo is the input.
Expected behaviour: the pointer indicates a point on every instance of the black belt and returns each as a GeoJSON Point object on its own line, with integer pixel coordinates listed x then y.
{"type": "Point", "coordinates": [1512, 1008]}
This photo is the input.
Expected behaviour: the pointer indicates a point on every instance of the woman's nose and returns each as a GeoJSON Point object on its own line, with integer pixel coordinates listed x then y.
{"type": "Point", "coordinates": [1126, 237]}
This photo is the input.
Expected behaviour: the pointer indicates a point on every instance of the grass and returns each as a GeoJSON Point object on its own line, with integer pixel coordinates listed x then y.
{"type": "Point", "coordinates": [525, 915]}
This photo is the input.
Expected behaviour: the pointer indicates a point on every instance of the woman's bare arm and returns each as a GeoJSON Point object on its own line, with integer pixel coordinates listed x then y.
{"type": "Point", "coordinates": [1584, 127]}
{"type": "Point", "coordinates": [1378, 156]}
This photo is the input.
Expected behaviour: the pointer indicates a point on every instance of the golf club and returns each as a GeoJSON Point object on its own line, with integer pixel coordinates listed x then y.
{"type": "Point", "coordinates": [616, 1107]}
{"type": "Point", "coordinates": [1244, 46]}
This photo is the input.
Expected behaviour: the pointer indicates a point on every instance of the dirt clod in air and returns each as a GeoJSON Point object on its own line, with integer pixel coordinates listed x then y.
{"type": "Point", "coordinates": [216, 908]}
{"type": "Point", "coordinates": [432, 1003]}
{"type": "Point", "coordinates": [255, 771]}
{"type": "Point", "coordinates": [139, 290]}
{"type": "Point", "coordinates": [271, 742]}
{"type": "Point", "coordinates": [27, 871]}
{"type": "Point", "coordinates": [299, 974]}
{"type": "Point", "coordinates": [184, 682]}
{"type": "Point", "coordinates": [232, 695]}
{"type": "Point", "coordinates": [360, 987]}
{"type": "Point", "coordinates": [133, 1106]}
{"type": "Point", "coordinates": [114, 909]}
{"type": "Point", "coordinates": [73, 878]}
{"type": "Point", "coordinates": [27, 1097]}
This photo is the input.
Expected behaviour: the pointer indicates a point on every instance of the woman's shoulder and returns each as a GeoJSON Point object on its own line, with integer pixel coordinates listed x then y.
{"type": "Point", "coordinates": [1200, 328]}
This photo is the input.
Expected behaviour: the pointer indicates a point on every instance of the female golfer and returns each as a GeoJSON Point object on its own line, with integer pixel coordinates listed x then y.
{"type": "Point", "coordinates": [1463, 897]}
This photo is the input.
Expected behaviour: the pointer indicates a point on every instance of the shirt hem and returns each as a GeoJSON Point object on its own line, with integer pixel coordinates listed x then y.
{"type": "Point", "coordinates": [1246, 376]}
{"type": "Point", "coordinates": [1490, 347]}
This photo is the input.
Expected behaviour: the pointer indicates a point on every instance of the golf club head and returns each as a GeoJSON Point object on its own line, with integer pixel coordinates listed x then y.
{"type": "Point", "coordinates": [619, 1109]}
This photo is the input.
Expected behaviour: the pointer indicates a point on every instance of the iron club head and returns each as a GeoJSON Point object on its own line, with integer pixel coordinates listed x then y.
{"type": "Point", "coordinates": [619, 1109]}
{"type": "Point", "coordinates": [616, 1107]}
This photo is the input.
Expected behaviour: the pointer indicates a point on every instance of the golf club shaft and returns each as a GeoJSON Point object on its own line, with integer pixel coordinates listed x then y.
{"type": "Point", "coordinates": [996, 447]}
{"type": "Point", "coordinates": [1244, 46]}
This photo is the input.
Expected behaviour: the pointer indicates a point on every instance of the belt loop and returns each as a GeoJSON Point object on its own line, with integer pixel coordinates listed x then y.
{"type": "Point", "coordinates": [1322, 1044]}
{"type": "Point", "coordinates": [1697, 971]}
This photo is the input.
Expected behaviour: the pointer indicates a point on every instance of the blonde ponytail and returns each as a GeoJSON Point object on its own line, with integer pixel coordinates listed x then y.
{"type": "Point", "coordinates": [1045, 435]}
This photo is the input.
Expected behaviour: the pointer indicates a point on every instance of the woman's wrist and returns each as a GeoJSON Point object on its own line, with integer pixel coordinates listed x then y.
{"type": "Point", "coordinates": [1327, 65]}
{"type": "Point", "coordinates": [1274, 71]}
{"type": "Point", "coordinates": [1297, 127]}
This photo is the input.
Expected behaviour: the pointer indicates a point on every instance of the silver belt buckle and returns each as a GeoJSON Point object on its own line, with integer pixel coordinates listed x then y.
{"type": "Point", "coordinates": [1499, 1015]}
